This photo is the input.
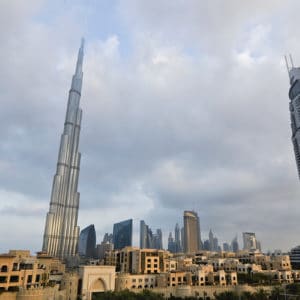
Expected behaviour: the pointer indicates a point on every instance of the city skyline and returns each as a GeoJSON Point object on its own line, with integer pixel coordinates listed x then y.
{"type": "Point", "coordinates": [186, 108]}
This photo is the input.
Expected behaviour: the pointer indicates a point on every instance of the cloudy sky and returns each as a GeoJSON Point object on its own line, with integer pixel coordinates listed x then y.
{"type": "Point", "coordinates": [185, 107]}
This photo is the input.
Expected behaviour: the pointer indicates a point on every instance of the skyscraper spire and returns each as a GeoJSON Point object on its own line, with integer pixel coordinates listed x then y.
{"type": "Point", "coordinates": [61, 230]}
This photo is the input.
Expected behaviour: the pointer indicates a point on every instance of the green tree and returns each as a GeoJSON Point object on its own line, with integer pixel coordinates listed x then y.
{"type": "Point", "coordinates": [276, 293]}
{"type": "Point", "coordinates": [127, 295]}
{"type": "Point", "coordinates": [227, 296]}
{"type": "Point", "coordinates": [261, 295]}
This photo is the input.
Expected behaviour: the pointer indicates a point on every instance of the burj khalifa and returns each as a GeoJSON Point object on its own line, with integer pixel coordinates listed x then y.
{"type": "Point", "coordinates": [61, 230]}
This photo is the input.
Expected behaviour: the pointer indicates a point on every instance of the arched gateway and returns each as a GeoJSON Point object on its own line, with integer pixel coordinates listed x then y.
{"type": "Point", "coordinates": [96, 279]}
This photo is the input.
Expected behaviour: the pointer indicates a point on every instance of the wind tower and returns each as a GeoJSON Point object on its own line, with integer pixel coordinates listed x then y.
{"type": "Point", "coordinates": [61, 231]}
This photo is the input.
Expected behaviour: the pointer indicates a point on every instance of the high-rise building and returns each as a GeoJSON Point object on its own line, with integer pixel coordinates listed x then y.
{"type": "Point", "coordinates": [192, 237]}
{"type": "Point", "coordinates": [234, 244]}
{"type": "Point", "coordinates": [171, 243]}
{"type": "Point", "coordinates": [61, 231]}
{"type": "Point", "coordinates": [108, 238]}
{"type": "Point", "coordinates": [211, 240]}
{"type": "Point", "coordinates": [146, 237]}
{"type": "Point", "coordinates": [295, 258]}
{"type": "Point", "coordinates": [177, 239]}
{"type": "Point", "coordinates": [149, 240]}
{"type": "Point", "coordinates": [122, 234]}
{"type": "Point", "coordinates": [226, 247]}
{"type": "Point", "coordinates": [206, 245]}
{"type": "Point", "coordinates": [157, 240]}
{"type": "Point", "coordinates": [294, 95]}
{"type": "Point", "coordinates": [87, 241]}
{"type": "Point", "coordinates": [249, 240]}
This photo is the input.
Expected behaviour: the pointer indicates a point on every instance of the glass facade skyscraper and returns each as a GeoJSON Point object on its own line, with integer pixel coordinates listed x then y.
{"type": "Point", "coordinates": [87, 241]}
{"type": "Point", "coordinates": [122, 234]}
{"type": "Point", "coordinates": [149, 240]}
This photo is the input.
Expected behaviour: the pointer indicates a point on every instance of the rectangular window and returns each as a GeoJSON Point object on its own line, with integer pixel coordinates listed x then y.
{"type": "Point", "coordinates": [14, 279]}
{"type": "Point", "coordinates": [29, 278]}
{"type": "Point", "coordinates": [3, 279]}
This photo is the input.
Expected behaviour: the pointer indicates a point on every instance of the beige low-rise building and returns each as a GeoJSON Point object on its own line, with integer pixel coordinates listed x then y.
{"type": "Point", "coordinates": [18, 269]}
{"type": "Point", "coordinates": [135, 281]}
{"type": "Point", "coordinates": [23, 276]}
{"type": "Point", "coordinates": [134, 260]}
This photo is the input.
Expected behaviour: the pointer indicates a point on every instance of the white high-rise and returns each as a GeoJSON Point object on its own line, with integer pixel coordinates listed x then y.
{"type": "Point", "coordinates": [294, 95]}
{"type": "Point", "coordinates": [61, 230]}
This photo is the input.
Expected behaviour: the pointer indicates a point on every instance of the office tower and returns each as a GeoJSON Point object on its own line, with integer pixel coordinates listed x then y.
{"type": "Point", "coordinates": [192, 237]}
{"type": "Point", "coordinates": [211, 240]}
{"type": "Point", "coordinates": [87, 241]}
{"type": "Point", "coordinates": [294, 95]}
{"type": "Point", "coordinates": [182, 238]}
{"type": "Point", "coordinates": [143, 234]}
{"type": "Point", "coordinates": [108, 238]}
{"type": "Point", "coordinates": [146, 237]}
{"type": "Point", "coordinates": [149, 240]}
{"type": "Point", "coordinates": [258, 245]}
{"type": "Point", "coordinates": [295, 258]}
{"type": "Point", "coordinates": [235, 245]}
{"type": "Point", "coordinates": [206, 245]}
{"type": "Point", "coordinates": [216, 244]}
{"type": "Point", "coordinates": [171, 243]}
{"type": "Point", "coordinates": [61, 230]}
{"type": "Point", "coordinates": [177, 238]}
{"type": "Point", "coordinates": [105, 246]}
{"type": "Point", "coordinates": [102, 248]}
{"type": "Point", "coordinates": [249, 240]}
{"type": "Point", "coordinates": [157, 240]}
{"type": "Point", "coordinates": [226, 247]}
{"type": "Point", "coordinates": [122, 234]}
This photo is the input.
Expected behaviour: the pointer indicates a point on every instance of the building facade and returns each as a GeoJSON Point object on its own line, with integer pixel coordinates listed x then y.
{"type": "Point", "coordinates": [250, 242]}
{"type": "Point", "coordinates": [61, 231]}
{"type": "Point", "coordinates": [87, 241]}
{"type": "Point", "coordinates": [122, 234]}
{"type": "Point", "coordinates": [294, 95]}
{"type": "Point", "coordinates": [95, 279]}
{"type": "Point", "coordinates": [192, 236]}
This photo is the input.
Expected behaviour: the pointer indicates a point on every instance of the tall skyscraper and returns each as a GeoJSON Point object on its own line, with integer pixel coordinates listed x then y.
{"type": "Point", "coordinates": [148, 239]}
{"type": "Point", "coordinates": [157, 239]}
{"type": "Point", "coordinates": [87, 241]}
{"type": "Point", "coordinates": [171, 243]}
{"type": "Point", "coordinates": [145, 236]}
{"type": "Point", "coordinates": [192, 236]}
{"type": "Point", "coordinates": [211, 240]}
{"type": "Point", "coordinates": [235, 244]}
{"type": "Point", "coordinates": [249, 240]}
{"type": "Point", "coordinates": [61, 230]}
{"type": "Point", "coordinates": [122, 234]}
{"type": "Point", "coordinates": [294, 95]}
{"type": "Point", "coordinates": [177, 238]}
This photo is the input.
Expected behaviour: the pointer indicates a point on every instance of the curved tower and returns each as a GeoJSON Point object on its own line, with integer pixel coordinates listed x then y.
{"type": "Point", "coordinates": [61, 230]}
{"type": "Point", "coordinates": [87, 241]}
